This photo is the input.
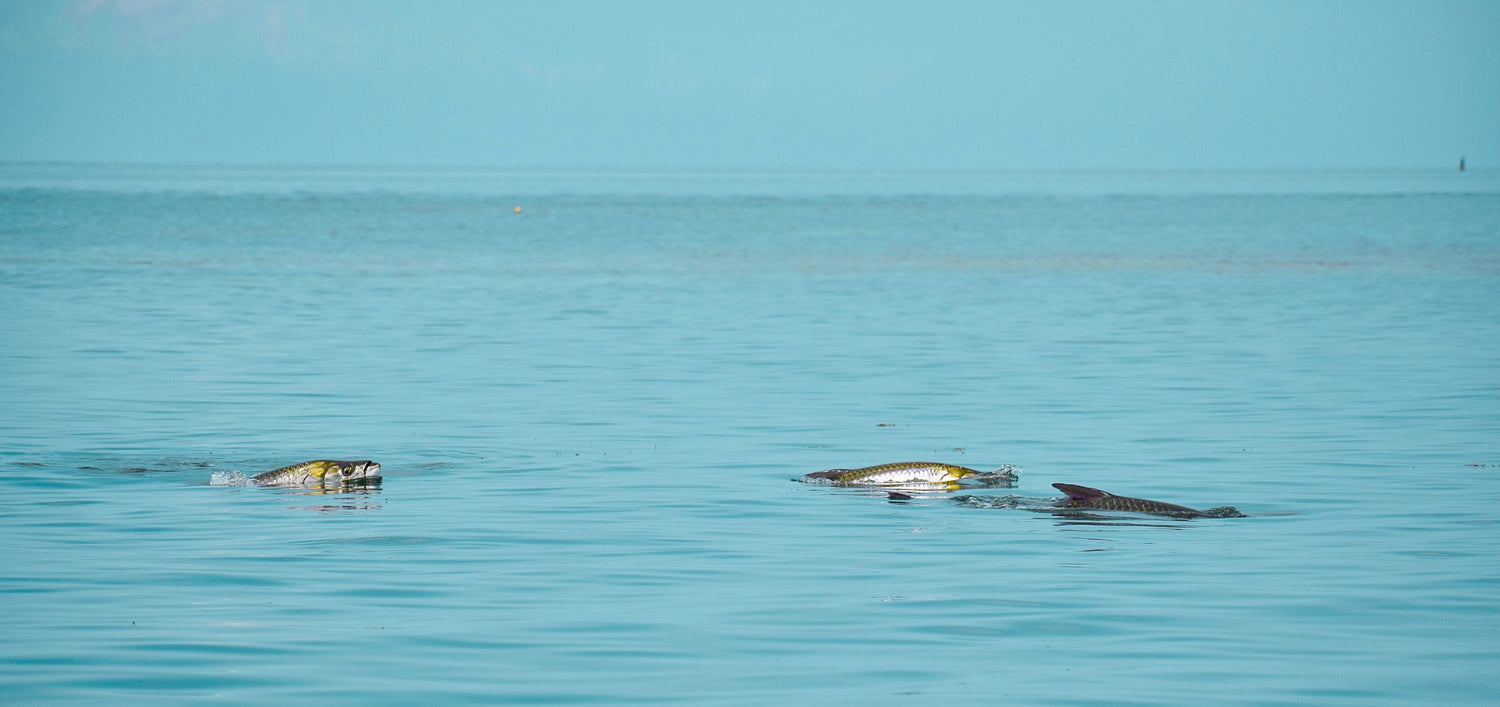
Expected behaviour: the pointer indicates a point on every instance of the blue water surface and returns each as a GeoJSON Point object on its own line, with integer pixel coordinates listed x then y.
{"type": "Point", "coordinates": [589, 413]}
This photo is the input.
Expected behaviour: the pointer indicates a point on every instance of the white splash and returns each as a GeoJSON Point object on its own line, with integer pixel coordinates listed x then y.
{"type": "Point", "coordinates": [229, 478]}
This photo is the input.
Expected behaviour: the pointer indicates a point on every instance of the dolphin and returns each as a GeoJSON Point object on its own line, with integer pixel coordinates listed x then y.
{"type": "Point", "coordinates": [1085, 497]}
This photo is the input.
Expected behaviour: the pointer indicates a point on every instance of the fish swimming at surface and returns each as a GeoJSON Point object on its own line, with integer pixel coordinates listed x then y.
{"type": "Point", "coordinates": [917, 475]}
{"type": "Point", "coordinates": [320, 473]}
{"type": "Point", "coordinates": [1085, 497]}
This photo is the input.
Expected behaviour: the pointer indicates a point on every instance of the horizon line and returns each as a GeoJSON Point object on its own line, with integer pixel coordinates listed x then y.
{"type": "Point", "coordinates": [684, 169]}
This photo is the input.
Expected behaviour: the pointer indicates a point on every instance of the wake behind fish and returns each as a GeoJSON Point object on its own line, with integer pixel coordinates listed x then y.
{"type": "Point", "coordinates": [229, 478]}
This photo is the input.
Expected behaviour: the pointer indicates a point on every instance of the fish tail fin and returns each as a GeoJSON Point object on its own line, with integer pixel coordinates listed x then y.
{"type": "Point", "coordinates": [1081, 493]}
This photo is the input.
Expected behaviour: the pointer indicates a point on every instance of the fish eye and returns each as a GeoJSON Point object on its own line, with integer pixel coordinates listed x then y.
{"type": "Point", "coordinates": [346, 471]}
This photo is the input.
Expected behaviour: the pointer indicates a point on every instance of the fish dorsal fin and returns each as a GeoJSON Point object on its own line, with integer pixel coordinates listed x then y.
{"type": "Point", "coordinates": [1081, 493]}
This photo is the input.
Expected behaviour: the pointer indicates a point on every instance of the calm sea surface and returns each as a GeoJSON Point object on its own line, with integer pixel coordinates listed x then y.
{"type": "Point", "coordinates": [589, 414]}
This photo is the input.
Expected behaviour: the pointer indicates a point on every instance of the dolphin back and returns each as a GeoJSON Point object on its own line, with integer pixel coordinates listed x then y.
{"type": "Point", "coordinates": [1085, 497]}
{"type": "Point", "coordinates": [1081, 493]}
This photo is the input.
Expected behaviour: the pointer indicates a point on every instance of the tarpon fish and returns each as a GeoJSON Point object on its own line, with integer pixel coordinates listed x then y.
{"type": "Point", "coordinates": [926, 475]}
{"type": "Point", "coordinates": [1085, 497]}
{"type": "Point", "coordinates": [320, 473]}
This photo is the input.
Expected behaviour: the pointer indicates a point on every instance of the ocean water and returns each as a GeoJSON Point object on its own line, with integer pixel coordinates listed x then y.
{"type": "Point", "coordinates": [590, 414]}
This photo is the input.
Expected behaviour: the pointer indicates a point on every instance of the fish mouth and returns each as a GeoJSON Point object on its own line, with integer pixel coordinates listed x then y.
{"type": "Point", "coordinates": [362, 482]}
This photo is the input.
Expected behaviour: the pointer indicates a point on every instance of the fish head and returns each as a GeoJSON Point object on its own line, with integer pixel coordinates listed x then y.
{"type": "Point", "coordinates": [327, 472]}
{"type": "Point", "coordinates": [346, 472]}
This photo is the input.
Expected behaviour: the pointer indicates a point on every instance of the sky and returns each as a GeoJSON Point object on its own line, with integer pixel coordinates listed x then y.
{"type": "Point", "coordinates": [924, 85]}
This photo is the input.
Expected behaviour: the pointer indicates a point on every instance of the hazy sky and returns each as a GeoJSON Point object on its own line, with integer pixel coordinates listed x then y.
{"type": "Point", "coordinates": [762, 84]}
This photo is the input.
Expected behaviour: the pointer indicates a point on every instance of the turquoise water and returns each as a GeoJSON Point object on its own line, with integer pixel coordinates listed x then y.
{"type": "Point", "coordinates": [589, 415]}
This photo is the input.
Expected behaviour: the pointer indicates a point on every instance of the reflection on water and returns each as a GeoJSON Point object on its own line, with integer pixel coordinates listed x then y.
{"type": "Point", "coordinates": [357, 496]}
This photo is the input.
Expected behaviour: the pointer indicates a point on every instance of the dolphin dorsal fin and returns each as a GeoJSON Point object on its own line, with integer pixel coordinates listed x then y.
{"type": "Point", "coordinates": [1081, 493]}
